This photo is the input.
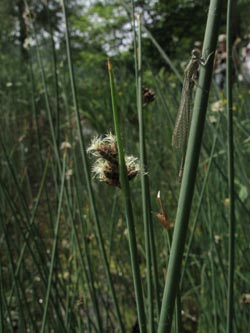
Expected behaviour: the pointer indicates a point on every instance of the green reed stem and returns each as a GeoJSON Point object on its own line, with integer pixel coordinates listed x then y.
{"type": "Point", "coordinates": [199, 206]}
{"type": "Point", "coordinates": [146, 204]}
{"type": "Point", "coordinates": [231, 243]}
{"type": "Point", "coordinates": [154, 41]}
{"type": "Point", "coordinates": [32, 219]}
{"type": "Point", "coordinates": [211, 255]}
{"type": "Point", "coordinates": [57, 154]}
{"type": "Point", "coordinates": [163, 54]}
{"type": "Point", "coordinates": [87, 267]}
{"type": "Point", "coordinates": [87, 174]}
{"type": "Point", "coordinates": [53, 254]}
{"type": "Point", "coordinates": [18, 288]}
{"type": "Point", "coordinates": [128, 209]}
{"type": "Point", "coordinates": [2, 303]}
{"type": "Point", "coordinates": [135, 40]}
{"type": "Point", "coordinates": [191, 164]}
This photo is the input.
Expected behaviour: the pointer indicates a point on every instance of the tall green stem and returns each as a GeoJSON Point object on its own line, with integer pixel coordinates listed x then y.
{"type": "Point", "coordinates": [191, 164]}
{"type": "Point", "coordinates": [155, 43]}
{"type": "Point", "coordinates": [87, 175]}
{"type": "Point", "coordinates": [231, 243]}
{"type": "Point", "coordinates": [53, 254]}
{"type": "Point", "coordinates": [135, 40]}
{"type": "Point", "coordinates": [146, 205]}
{"type": "Point", "coordinates": [2, 302]}
{"type": "Point", "coordinates": [128, 209]}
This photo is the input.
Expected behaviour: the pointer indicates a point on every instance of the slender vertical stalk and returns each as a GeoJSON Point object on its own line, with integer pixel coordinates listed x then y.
{"type": "Point", "coordinates": [155, 43]}
{"type": "Point", "coordinates": [135, 40]}
{"type": "Point", "coordinates": [32, 219]}
{"type": "Point", "coordinates": [38, 136]}
{"type": "Point", "coordinates": [57, 154]}
{"type": "Point", "coordinates": [211, 255]}
{"type": "Point", "coordinates": [2, 302]}
{"type": "Point", "coordinates": [53, 254]}
{"type": "Point", "coordinates": [231, 243]}
{"type": "Point", "coordinates": [145, 188]}
{"type": "Point", "coordinates": [54, 59]}
{"type": "Point", "coordinates": [163, 54]}
{"type": "Point", "coordinates": [87, 174]}
{"type": "Point", "coordinates": [191, 164]}
{"type": "Point", "coordinates": [199, 206]}
{"type": "Point", "coordinates": [129, 211]}
{"type": "Point", "coordinates": [144, 177]}
{"type": "Point", "coordinates": [18, 287]}
{"type": "Point", "coordinates": [178, 319]}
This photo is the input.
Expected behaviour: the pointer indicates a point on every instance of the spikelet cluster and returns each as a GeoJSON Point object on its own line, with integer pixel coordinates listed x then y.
{"type": "Point", "coordinates": [106, 166]}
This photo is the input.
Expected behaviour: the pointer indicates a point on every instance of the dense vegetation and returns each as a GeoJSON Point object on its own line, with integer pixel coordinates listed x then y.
{"type": "Point", "coordinates": [65, 245]}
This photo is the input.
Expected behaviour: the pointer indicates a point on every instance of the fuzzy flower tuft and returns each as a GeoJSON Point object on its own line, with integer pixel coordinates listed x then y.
{"type": "Point", "coordinates": [106, 167]}
{"type": "Point", "coordinates": [104, 147]}
{"type": "Point", "coordinates": [133, 166]}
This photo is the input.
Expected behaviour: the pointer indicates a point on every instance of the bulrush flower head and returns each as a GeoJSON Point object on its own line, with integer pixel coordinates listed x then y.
{"type": "Point", "coordinates": [104, 147]}
{"type": "Point", "coordinates": [106, 172]}
{"type": "Point", "coordinates": [132, 165]}
{"type": "Point", "coordinates": [65, 146]}
{"type": "Point", "coordinates": [106, 167]}
{"type": "Point", "coordinates": [95, 143]}
{"type": "Point", "coordinates": [98, 168]}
